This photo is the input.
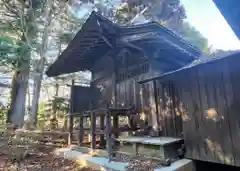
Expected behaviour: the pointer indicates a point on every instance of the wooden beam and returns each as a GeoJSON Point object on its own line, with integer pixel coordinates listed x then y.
{"type": "Point", "coordinates": [107, 42]}
{"type": "Point", "coordinates": [128, 44]}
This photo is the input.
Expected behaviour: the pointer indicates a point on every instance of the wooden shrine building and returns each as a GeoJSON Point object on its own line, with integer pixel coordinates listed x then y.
{"type": "Point", "coordinates": [118, 58]}
{"type": "Point", "coordinates": [148, 70]}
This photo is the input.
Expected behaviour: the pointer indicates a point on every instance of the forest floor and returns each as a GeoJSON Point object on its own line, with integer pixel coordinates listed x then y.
{"type": "Point", "coordinates": [22, 151]}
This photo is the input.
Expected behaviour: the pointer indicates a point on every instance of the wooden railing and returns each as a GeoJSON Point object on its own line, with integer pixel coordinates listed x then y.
{"type": "Point", "coordinates": [108, 131]}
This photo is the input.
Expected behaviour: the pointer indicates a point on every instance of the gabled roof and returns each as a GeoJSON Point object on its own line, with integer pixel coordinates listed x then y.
{"type": "Point", "coordinates": [99, 35]}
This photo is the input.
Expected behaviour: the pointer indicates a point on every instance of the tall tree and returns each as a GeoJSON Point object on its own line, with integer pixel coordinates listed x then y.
{"type": "Point", "coordinates": [39, 67]}
{"type": "Point", "coordinates": [18, 17]}
{"type": "Point", "coordinates": [192, 35]}
{"type": "Point", "coordinates": [58, 21]}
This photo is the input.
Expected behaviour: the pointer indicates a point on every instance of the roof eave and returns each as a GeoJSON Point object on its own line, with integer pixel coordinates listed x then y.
{"type": "Point", "coordinates": [229, 9]}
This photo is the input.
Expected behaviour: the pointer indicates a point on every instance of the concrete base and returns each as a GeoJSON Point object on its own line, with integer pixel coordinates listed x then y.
{"type": "Point", "coordinates": [161, 147]}
{"type": "Point", "coordinates": [99, 163]}
{"type": "Point", "coordinates": [87, 158]}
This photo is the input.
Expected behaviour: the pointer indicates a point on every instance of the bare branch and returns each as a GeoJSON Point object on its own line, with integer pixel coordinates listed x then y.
{"type": "Point", "coordinates": [9, 14]}
{"type": "Point", "coordinates": [10, 8]}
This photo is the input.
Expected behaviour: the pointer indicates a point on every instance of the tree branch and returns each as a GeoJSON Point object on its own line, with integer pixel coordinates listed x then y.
{"type": "Point", "coordinates": [10, 8]}
{"type": "Point", "coordinates": [9, 15]}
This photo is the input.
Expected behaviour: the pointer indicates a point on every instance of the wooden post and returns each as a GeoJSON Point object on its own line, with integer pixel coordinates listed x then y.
{"type": "Point", "coordinates": [108, 134]}
{"type": "Point", "coordinates": [93, 130]}
{"type": "Point", "coordinates": [102, 127]}
{"type": "Point", "coordinates": [115, 125]}
{"type": "Point", "coordinates": [130, 133]}
{"type": "Point", "coordinates": [70, 137]}
{"type": "Point", "coordinates": [81, 131]}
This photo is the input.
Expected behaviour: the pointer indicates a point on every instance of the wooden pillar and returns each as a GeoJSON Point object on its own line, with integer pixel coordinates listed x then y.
{"type": "Point", "coordinates": [81, 131]}
{"type": "Point", "coordinates": [108, 134]}
{"type": "Point", "coordinates": [115, 125]}
{"type": "Point", "coordinates": [70, 137]}
{"type": "Point", "coordinates": [93, 130]}
{"type": "Point", "coordinates": [102, 127]}
{"type": "Point", "coordinates": [130, 133]}
{"type": "Point", "coordinates": [115, 117]}
{"type": "Point", "coordinates": [114, 83]}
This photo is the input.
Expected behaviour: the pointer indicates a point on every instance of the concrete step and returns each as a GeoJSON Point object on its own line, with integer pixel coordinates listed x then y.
{"type": "Point", "coordinates": [159, 147]}
{"type": "Point", "coordinates": [95, 162]}
{"type": "Point", "coordinates": [96, 159]}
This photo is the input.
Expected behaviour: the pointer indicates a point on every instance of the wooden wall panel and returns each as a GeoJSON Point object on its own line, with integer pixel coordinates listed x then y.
{"type": "Point", "coordinates": [168, 119]}
{"type": "Point", "coordinates": [220, 85]}
{"type": "Point", "coordinates": [121, 94]}
{"type": "Point", "coordinates": [103, 95]}
{"type": "Point", "coordinates": [189, 110]}
{"type": "Point", "coordinates": [215, 124]}
{"type": "Point", "coordinates": [233, 97]}
{"type": "Point", "coordinates": [178, 118]}
{"type": "Point", "coordinates": [81, 99]}
{"type": "Point", "coordinates": [128, 93]}
{"type": "Point", "coordinates": [208, 111]}
{"type": "Point", "coordinates": [197, 119]}
{"type": "Point", "coordinates": [146, 102]}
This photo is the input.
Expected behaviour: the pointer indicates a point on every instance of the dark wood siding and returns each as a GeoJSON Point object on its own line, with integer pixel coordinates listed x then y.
{"type": "Point", "coordinates": [148, 103]}
{"type": "Point", "coordinates": [207, 97]}
{"type": "Point", "coordinates": [103, 92]}
{"type": "Point", "coordinates": [81, 99]}
{"type": "Point", "coordinates": [102, 83]}
{"type": "Point", "coordinates": [129, 93]}
{"type": "Point", "coordinates": [143, 97]}
{"type": "Point", "coordinates": [169, 122]}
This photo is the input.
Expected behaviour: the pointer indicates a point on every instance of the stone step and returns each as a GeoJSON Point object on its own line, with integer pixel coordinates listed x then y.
{"type": "Point", "coordinates": [160, 147]}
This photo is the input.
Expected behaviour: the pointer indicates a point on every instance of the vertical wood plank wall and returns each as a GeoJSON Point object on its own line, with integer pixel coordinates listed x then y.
{"type": "Point", "coordinates": [169, 121]}
{"type": "Point", "coordinates": [102, 83]}
{"type": "Point", "coordinates": [130, 93]}
{"type": "Point", "coordinates": [80, 99]}
{"type": "Point", "coordinates": [207, 98]}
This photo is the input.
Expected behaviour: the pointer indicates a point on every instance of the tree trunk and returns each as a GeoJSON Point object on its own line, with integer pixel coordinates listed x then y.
{"type": "Point", "coordinates": [54, 121]}
{"type": "Point", "coordinates": [27, 124]}
{"type": "Point", "coordinates": [18, 109]}
{"type": "Point", "coordinates": [40, 67]}
{"type": "Point", "coordinates": [55, 98]}
{"type": "Point", "coordinates": [36, 93]}
{"type": "Point", "coordinates": [29, 101]}
{"type": "Point", "coordinates": [14, 90]}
